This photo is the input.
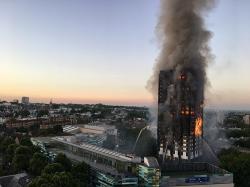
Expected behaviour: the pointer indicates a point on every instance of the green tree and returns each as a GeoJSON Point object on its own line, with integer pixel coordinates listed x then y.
{"type": "Point", "coordinates": [35, 149]}
{"type": "Point", "coordinates": [10, 152]}
{"type": "Point", "coordinates": [1, 171]}
{"type": "Point", "coordinates": [81, 173]}
{"type": "Point", "coordinates": [25, 142]}
{"type": "Point", "coordinates": [21, 158]}
{"type": "Point", "coordinates": [41, 113]}
{"type": "Point", "coordinates": [8, 156]}
{"type": "Point", "coordinates": [57, 129]}
{"type": "Point", "coordinates": [63, 179]}
{"type": "Point", "coordinates": [5, 143]}
{"type": "Point", "coordinates": [59, 179]}
{"type": "Point", "coordinates": [64, 161]}
{"type": "Point", "coordinates": [237, 163]}
{"type": "Point", "coordinates": [52, 168]}
{"type": "Point", "coordinates": [37, 164]}
{"type": "Point", "coordinates": [24, 113]}
{"type": "Point", "coordinates": [42, 181]}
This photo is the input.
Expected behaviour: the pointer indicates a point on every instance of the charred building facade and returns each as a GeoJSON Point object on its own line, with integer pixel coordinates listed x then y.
{"type": "Point", "coordinates": [180, 115]}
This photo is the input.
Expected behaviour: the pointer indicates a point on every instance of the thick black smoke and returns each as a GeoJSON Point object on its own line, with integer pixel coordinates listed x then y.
{"type": "Point", "coordinates": [184, 41]}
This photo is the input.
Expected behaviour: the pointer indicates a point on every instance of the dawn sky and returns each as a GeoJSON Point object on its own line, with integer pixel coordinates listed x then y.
{"type": "Point", "coordinates": [90, 51]}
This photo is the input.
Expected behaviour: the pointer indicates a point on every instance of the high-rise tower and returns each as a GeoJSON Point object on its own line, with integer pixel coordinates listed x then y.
{"type": "Point", "coordinates": [180, 116]}
{"type": "Point", "coordinates": [25, 100]}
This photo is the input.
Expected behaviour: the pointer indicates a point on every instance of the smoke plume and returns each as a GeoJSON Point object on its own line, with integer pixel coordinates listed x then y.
{"type": "Point", "coordinates": [213, 131]}
{"type": "Point", "coordinates": [183, 41]}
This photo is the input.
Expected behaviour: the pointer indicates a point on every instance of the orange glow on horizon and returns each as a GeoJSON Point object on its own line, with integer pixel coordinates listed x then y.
{"type": "Point", "coordinates": [87, 98]}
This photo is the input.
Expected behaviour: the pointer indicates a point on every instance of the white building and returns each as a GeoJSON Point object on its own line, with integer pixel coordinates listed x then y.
{"type": "Point", "coordinates": [2, 120]}
{"type": "Point", "coordinates": [246, 119]}
{"type": "Point", "coordinates": [71, 129]}
{"type": "Point", "coordinates": [93, 128]}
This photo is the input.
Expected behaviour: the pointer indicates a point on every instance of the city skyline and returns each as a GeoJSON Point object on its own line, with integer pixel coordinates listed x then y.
{"type": "Point", "coordinates": [103, 52]}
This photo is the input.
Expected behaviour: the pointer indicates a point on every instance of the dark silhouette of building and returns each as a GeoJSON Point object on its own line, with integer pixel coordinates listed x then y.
{"type": "Point", "coordinates": [180, 116]}
{"type": "Point", "coordinates": [25, 100]}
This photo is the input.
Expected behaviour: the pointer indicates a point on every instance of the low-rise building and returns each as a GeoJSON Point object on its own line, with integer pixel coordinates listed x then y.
{"type": "Point", "coordinates": [246, 119]}
{"type": "Point", "coordinates": [111, 168]}
{"type": "Point", "coordinates": [25, 122]}
{"type": "Point", "coordinates": [2, 120]}
{"type": "Point", "coordinates": [98, 128]}
{"type": "Point", "coordinates": [149, 172]}
{"type": "Point", "coordinates": [106, 180]}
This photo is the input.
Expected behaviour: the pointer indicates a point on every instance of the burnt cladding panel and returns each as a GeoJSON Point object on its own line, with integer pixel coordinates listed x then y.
{"type": "Point", "coordinates": [186, 106]}
{"type": "Point", "coordinates": [187, 99]}
{"type": "Point", "coordinates": [183, 112]}
{"type": "Point", "coordinates": [165, 80]}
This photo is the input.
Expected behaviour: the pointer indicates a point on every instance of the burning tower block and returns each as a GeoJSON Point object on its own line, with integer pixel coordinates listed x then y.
{"type": "Point", "coordinates": [180, 116]}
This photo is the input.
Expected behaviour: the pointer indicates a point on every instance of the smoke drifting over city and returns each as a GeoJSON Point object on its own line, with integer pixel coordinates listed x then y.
{"type": "Point", "coordinates": [179, 77]}
{"type": "Point", "coordinates": [184, 41]}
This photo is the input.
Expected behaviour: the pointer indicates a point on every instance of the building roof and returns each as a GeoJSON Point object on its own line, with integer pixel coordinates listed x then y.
{"type": "Point", "coordinates": [18, 180]}
{"type": "Point", "coordinates": [99, 150]}
{"type": "Point", "coordinates": [151, 162]}
{"type": "Point", "coordinates": [70, 128]}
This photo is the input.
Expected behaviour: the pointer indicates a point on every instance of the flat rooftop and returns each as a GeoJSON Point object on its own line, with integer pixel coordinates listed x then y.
{"type": "Point", "coordinates": [76, 158]}
{"type": "Point", "coordinates": [45, 140]}
{"type": "Point", "coordinates": [99, 150]}
{"type": "Point", "coordinates": [151, 162]}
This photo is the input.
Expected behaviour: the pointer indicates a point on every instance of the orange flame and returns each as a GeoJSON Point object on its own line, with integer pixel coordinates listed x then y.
{"type": "Point", "coordinates": [198, 127]}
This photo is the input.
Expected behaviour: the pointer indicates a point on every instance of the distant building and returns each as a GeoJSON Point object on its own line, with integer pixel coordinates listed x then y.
{"type": "Point", "coordinates": [93, 134]}
{"type": "Point", "coordinates": [92, 128]}
{"type": "Point", "coordinates": [51, 102]}
{"type": "Point", "coordinates": [2, 120]}
{"type": "Point", "coordinates": [71, 129]}
{"type": "Point", "coordinates": [51, 122]}
{"type": "Point", "coordinates": [25, 100]}
{"type": "Point", "coordinates": [25, 123]}
{"type": "Point", "coordinates": [15, 101]}
{"type": "Point", "coordinates": [246, 119]}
